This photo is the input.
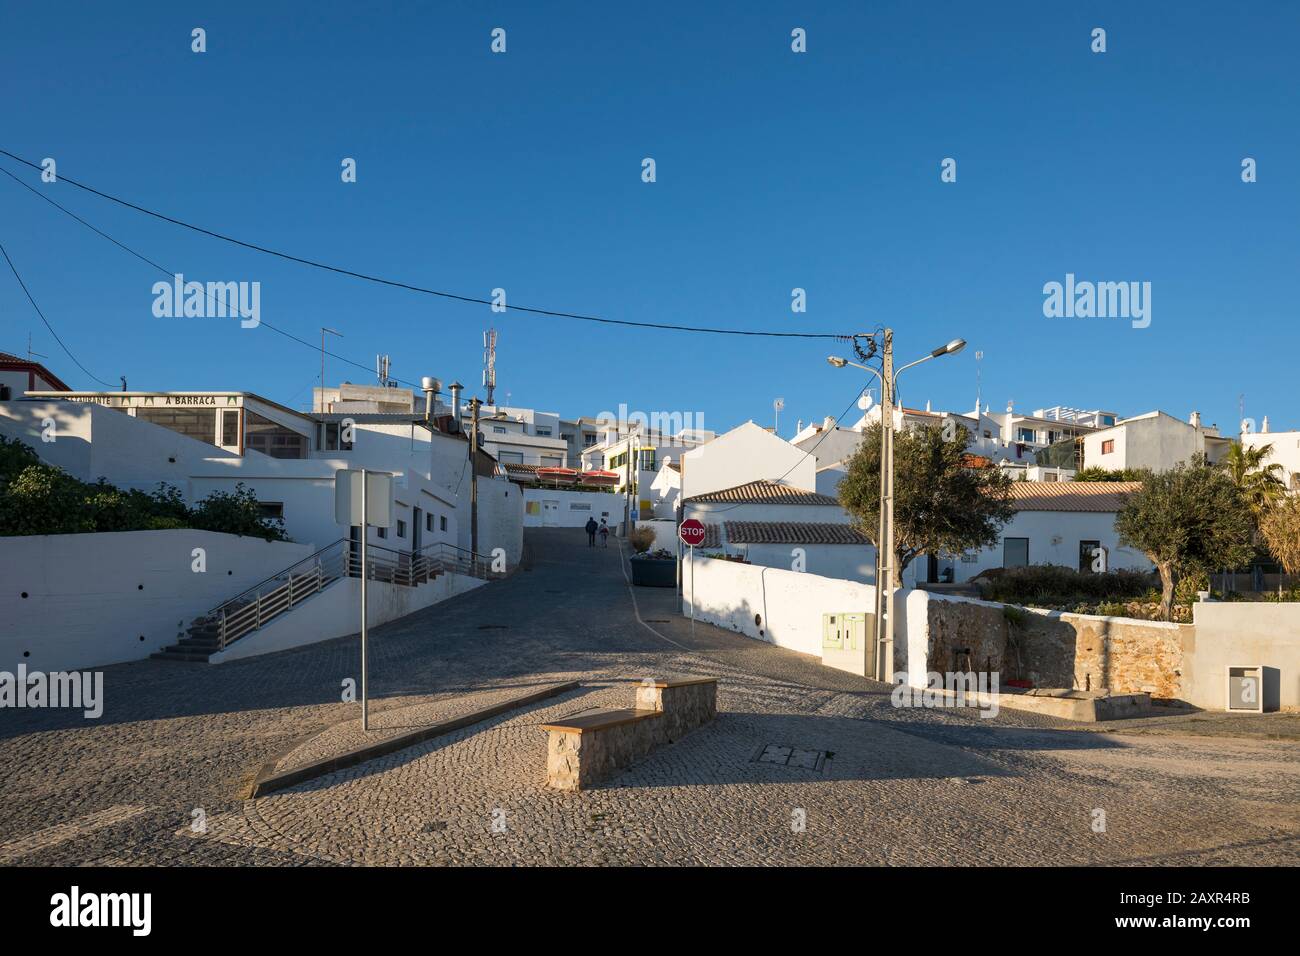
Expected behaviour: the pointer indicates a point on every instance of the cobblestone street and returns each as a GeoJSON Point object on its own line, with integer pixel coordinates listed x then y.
{"type": "Point", "coordinates": [178, 743]}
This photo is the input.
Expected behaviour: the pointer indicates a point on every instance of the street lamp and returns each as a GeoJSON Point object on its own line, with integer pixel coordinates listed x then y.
{"type": "Point", "coordinates": [885, 556]}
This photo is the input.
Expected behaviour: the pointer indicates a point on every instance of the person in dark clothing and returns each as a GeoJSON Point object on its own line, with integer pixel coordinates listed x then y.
{"type": "Point", "coordinates": [591, 527]}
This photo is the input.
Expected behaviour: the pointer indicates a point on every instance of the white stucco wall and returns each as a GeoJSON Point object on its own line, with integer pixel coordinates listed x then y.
{"type": "Point", "coordinates": [92, 597]}
{"type": "Point", "coordinates": [1054, 538]}
{"type": "Point", "coordinates": [1242, 633]}
{"type": "Point", "coordinates": [789, 606]}
{"type": "Point", "coordinates": [336, 612]}
{"type": "Point", "coordinates": [744, 454]}
{"type": "Point", "coordinates": [572, 508]}
{"type": "Point", "coordinates": [500, 520]}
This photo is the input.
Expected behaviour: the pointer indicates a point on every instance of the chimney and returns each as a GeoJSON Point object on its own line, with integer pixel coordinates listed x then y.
{"type": "Point", "coordinates": [431, 388]}
{"type": "Point", "coordinates": [1196, 420]}
{"type": "Point", "coordinates": [456, 389]}
{"type": "Point", "coordinates": [1264, 427]}
{"type": "Point", "coordinates": [828, 424]}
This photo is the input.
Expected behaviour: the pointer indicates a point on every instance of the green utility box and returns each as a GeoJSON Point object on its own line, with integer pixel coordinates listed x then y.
{"type": "Point", "coordinates": [849, 642]}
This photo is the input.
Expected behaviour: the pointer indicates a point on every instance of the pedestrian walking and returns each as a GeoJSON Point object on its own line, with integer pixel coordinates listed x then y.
{"type": "Point", "coordinates": [604, 533]}
{"type": "Point", "coordinates": [591, 527]}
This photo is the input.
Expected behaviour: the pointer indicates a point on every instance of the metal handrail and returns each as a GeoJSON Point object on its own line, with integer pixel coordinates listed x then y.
{"type": "Point", "coordinates": [256, 606]}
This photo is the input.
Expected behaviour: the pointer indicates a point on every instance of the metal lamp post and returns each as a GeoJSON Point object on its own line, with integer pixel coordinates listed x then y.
{"type": "Point", "coordinates": [885, 551]}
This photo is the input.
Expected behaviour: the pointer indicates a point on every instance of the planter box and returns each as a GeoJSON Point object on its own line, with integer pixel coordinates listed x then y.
{"type": "Point", "coordinates": [654, 572]}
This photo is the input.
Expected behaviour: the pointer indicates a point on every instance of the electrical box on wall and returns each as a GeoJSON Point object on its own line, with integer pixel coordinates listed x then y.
{"type": "Point", "coordinates": [849, 642]}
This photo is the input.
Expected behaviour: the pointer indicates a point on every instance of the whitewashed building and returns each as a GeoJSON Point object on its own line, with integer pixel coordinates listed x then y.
{"type": "Point", "coordinates": [1155, 440]}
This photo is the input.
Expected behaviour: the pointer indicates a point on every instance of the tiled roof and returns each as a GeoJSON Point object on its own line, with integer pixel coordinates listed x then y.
{"type": "Point", "coordinates": [793, 532]}
{"type": "Point", "coordinates": [765, 492]}
{"type": "Point", "coordinates": [1071, 495]}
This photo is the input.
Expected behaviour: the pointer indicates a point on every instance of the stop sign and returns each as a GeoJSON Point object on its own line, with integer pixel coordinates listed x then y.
{"type": "Point", "coordinates": [692, 532]}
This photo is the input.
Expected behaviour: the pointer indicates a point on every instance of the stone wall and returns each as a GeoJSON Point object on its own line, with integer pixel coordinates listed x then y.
{"type": "Point", "coordinates": [1051, 649]}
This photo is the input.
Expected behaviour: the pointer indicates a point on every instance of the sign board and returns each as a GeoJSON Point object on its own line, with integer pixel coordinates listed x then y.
{"type": "Point", "coordinates": [379, 498]}
{"type": "Point", "coordinates": [692, 532]}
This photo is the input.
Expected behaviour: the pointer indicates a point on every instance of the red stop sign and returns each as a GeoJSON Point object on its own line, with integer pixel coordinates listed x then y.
{"type": "Point", "coordinates": [692, 532]}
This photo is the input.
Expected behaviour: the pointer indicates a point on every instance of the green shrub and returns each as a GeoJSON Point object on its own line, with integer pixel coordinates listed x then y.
{"type": "Point", "coordinates": [1050, 585]}
{"type": "Point", "coordinates": [37, 498]}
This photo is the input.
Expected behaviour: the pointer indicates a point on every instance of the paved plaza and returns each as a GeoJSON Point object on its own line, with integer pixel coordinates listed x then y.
{"type": "Point", "coordinates": [804, 765]}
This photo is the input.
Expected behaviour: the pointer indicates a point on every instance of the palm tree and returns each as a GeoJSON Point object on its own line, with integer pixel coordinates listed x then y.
{"type": "Point", "coordinates": [1260, 485]}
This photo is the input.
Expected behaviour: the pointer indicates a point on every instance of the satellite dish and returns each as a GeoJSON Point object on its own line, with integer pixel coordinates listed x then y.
{"type": "Point", "coordinates": [864, 401]}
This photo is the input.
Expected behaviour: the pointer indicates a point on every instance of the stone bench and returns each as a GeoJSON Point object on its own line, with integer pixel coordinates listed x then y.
{"type": "Point", "coordinates": [589, 747]}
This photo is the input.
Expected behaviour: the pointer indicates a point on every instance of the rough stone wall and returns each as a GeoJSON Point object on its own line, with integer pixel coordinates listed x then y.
{"type": "Point", "coordinates": [684, 707]}
{"type": "Point", "coordinates": [1127, 656]}
{"type": "Point", "coordinates": [1078, 651]}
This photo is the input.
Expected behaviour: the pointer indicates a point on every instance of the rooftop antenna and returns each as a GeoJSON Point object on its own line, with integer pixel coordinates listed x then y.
{"type": "Point", "coordinates": [490, 363]}
{"type": "Point", "coordinates": [382, 364]}
{"type": "Point", "coordinates": [979, 357]}
{"type": "Point", "coordinates": [777, 405]}
{"type": "Point", "coordinates": [30, 353]}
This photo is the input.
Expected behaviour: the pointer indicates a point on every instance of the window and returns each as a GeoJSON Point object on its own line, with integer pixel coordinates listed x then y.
{"type": "Point", "coordinates": [588, 440]}
{"type": "Point", "coordinates": [542, 430]}
{"type": "Point", "coordinates": [565, 437]}
{"type": "Point", "coordinates": [1108, 446]}
{"type": "Point", "coordinates": [428, 522]}
{"type": "Point", "coordinates": [647, 459]}
{"type": "Point", "coordinates": [1024, 434]}
{"type": "Point", "coordinates": [510, 457]}
{"type": "Point", "coordinates": [1015, 552]}
{"type": "Point", "coordinates": [551, 461]}
{"type": "Point", "coordinates": [270, 509]}
{"type": "Point", "coordinates": [197, 423]}
{"type": "Point", "coordinates": [332, 437]}
{"type": "Point", "coordinates": [1108, 419]}
{"type": "Point", "coordinates": [382, 532]}
{"type": "Point", "coordinates": [442, 522]}
{"type": "Point", "coordinates": [230, 427]}
{"type": "Point", "coordinates": [579, 506]}
{"type": "Point", "coordinates": [264, 435]}
{"type": "Point", "coordinates": [401, 528]}
{"type": "Point", "coordinates": [1047, 476]}
{"type": "Point", "coordinates": [1089, 552]}
{"type": "Point", "coordinates": [498, 430]}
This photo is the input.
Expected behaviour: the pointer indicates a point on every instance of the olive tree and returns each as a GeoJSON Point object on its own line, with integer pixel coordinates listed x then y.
{"type": "Point", "coordinates": [941, 503]}
{"type": "Point", "coordinates": [1190, 520]}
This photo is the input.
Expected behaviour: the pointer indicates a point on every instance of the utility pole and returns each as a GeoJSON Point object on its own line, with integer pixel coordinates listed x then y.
{"type": "Point", "coordinates": [885, 538]}
{"type": "Point", "coordinates": [474, 404]}
{"type": "Point", "coordinates": [627, 489]}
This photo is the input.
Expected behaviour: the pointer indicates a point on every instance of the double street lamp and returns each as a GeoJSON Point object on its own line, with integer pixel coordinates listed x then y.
{"type": "Point", "coordinates": [885, 557]}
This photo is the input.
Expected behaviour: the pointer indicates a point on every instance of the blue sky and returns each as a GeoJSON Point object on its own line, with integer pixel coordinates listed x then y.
{"type": "Point", "coordinates": [774, 171]}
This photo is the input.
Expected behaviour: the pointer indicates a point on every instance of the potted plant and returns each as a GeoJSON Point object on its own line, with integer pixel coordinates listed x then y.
{"type": "Point", "coordinates": [651, 569]}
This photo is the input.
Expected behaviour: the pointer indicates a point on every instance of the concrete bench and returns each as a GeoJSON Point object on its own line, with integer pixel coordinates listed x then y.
{"type": "Point", "coordinates": [588, 747]}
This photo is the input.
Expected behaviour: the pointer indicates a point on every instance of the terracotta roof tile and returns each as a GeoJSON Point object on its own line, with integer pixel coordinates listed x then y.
{"type": "Point", "coordinates": [793, 532]}
{"type": "Point", "coordinates": [1071, 495]}
{"type": "Point", "coordinates": [765, 492]}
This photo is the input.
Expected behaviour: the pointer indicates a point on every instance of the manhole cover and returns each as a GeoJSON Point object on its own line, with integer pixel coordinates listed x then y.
{"type": "Point", "coordinates": [784, 756]}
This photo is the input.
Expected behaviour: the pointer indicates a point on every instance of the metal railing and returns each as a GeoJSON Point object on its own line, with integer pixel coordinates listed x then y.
{"type": "Point", "coordinates": [258, 605]}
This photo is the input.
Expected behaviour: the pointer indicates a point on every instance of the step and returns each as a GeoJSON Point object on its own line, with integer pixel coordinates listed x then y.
{"type": "Point", "coordinates": [169, 654]}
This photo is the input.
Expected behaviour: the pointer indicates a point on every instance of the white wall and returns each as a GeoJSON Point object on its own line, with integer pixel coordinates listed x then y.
{"type": "Point", "coordinates": [789, 605]}
{"type": "Point", "coordinates": [1286, 452]}
{"type": "Point", "coordinates": [1242, 633]}
{"type": "Point", "coordinates": [500, 520]}
{"type": "Point", "coordinates": [91, 597]}
{"type": "Point", "coordinates": [336, 612]}
{"type": "Point", "coordinates": [744, 454]}
{"type": "Point", "coordinates": [1043, 529]}
{"type": "Point", "coordinates": [573, 508]}
{"type": "Point", "coordinates": [852, 562]}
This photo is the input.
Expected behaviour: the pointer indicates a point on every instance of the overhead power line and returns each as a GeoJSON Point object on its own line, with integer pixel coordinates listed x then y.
{"type": "Point", "coordinates": [62, 345]}
{"type": "Point", "coordinates": [396, 284]}
{"type": "Point", "coordinates": [167, 272]}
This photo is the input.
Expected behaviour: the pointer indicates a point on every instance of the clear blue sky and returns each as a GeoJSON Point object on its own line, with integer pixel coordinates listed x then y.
{"type": "Point", "coordinates": [775, 170]}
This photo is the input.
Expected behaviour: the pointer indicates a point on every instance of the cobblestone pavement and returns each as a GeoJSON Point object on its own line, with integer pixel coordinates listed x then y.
{"type": "Point", "coordinates": [177, 742]}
